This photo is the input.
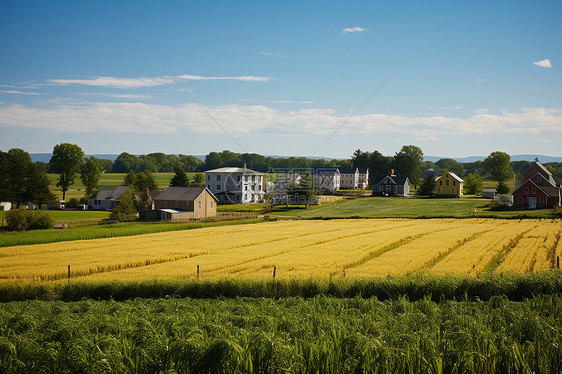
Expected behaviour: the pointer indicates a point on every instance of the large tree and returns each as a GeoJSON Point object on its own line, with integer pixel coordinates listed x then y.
{"type": "Point", "coordinates": [448, 164]}
{"type": "Point", "coordinates": [473, 184]}
{"type": "Point", "coordinates": [66, 162]}
{"type": "Point", "coordinates": [15, 168]}
{"type": "Point", "coordinates": [38, 189]}
{"type": "Point", "coordinates": [90, 172]}
{"type": "Point", "coordinates": [408, 162]}
{"type": "Point", "coordinates": [499, 167]}
{"type": "Point", "coordinates": [180, 179]}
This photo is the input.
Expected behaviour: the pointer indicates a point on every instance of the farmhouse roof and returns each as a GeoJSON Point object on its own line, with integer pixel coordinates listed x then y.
{"type": "Point", "coordinates": [401, 180]}
{"type": "Point", "coordinates": [111, 195]}
{"type": "Point", "coordinates": [363, 169]}
{"type": "Point", "coordinates": [347, 169]}
{"type": "Point", "coordinates": [453, 175]}
{"type": "Point", "coordinates": [182, 193]}
{"type": "Point", "coordinates": [235, 170]}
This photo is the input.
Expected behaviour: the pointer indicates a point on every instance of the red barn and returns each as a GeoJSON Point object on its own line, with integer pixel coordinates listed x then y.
{"type": "Point", "coordinates": [539, 189]}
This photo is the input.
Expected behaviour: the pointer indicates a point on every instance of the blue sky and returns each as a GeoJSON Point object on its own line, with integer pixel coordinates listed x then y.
{"type": "Point", "coordinates": [282, 78]}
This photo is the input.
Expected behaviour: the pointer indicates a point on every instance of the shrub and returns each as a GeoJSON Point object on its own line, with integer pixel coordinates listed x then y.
{"type": "Point", "coordinates": [21, 220]}
{"type": "Point", "coordinates": [72, 203]}
{"type": "Point", "coordinates": [16, 220]}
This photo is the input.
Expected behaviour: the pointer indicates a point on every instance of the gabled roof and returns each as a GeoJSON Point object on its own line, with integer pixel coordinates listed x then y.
{"type": "Point", "coordinates": [235, 170]}
{"type": "Point", "coordinates": [347, 170]}
{"type": "Point", "coordinates": [111, 195]}
{"type": "Point", "coordinates": [392, 180]}
{"type": "Point", "coordinates": [542, 170]}
{"type": "Point", "coordinates": [182, 193]}
{"type": "Point", "coordinates": [453, 175]}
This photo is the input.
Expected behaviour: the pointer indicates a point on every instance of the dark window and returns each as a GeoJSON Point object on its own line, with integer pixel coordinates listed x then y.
{"type": "Point", "coordinates": [218, 186]}
{"type": "Point", "coordinates": [526, 190]}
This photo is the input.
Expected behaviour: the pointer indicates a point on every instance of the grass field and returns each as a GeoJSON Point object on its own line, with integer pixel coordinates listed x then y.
{"type": "Point", "coordinates": [299, 249]}
{"type": "Point", "coordinates": [398, 207]}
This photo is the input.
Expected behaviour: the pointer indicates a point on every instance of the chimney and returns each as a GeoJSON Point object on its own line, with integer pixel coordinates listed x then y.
{"type": "Point", "coordinates": [244, 165]}
{"type": "Point", "coordinates": [392, 173]}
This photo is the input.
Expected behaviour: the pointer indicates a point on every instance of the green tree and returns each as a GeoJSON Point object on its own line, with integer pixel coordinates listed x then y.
{"type": "Point", "coordinates": [15, 168]}
{"type": "Point", "coordinates": [198, 180]}
{"type": "Point", "coordinates": [180, 179]}
{"type": "Point", "coordinates": [473, 184]}
{"type": "Point", "coordinates": [499, 167]}
{"type": "Point", "coordinates": [427, 188]}
{"type": "Point", "coordinates": [90, 172]}
{"type": "Point", "coordinates": [38, 189]}
{"type": "Point", "coordinates": [145, 179]}
{"type": "Point", "coordinates": [66, 162]}
{"type": "Point", "coordinates": [408, 162]}
{"type": "Point", "coordinates": [130, 178]}
{"type": "Point", "coordinates": [448, 164]}
{"type": "Point", "coordinates": [127, 208]}
{"type": "Point", "coordinates": [301, 193]}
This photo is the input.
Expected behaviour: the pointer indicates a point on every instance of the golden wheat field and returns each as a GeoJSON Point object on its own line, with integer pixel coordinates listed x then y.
{"type": "Point", "coordinates": [298, 249]}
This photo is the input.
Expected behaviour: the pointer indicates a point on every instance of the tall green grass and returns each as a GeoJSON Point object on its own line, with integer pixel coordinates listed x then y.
{"type": "Point", "coordinates": [296, 335]}
{"type": "Point", "coordinates": [513, 287]}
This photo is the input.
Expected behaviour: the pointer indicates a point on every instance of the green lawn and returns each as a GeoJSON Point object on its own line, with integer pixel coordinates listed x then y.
{"type": "Point", "coordinates": [396, 207]}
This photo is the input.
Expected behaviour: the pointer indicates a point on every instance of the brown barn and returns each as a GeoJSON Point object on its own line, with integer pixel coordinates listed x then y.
{"type": "Point", "coordinates": [182, 203]}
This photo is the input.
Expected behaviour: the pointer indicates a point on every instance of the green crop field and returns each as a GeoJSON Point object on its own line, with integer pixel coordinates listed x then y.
{"type": "Point", "coordinates": [317, 335]}
{"type": "Point", "coordinates": [399, 207]}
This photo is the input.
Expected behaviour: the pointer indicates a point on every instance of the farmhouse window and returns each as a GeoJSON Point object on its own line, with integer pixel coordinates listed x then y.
{"type": "Point", "coordinates": [447, 182]}
{"type": "Point", "coordinates": [199, 204]}
{"type": "Point", "coordinates": [526, 190]}
{"type": "Point", "coordinates": [534, 190]}
{"type": "Point", "coordinates": [208, 177]}
{"type": "Point", "coordinates": [440, 183]}
{"type": "Point", "coordinates": [539, 179]}
{"type": "Point", "coordinates": [238, 178]}
{"type": "Point", "coordinates": [381, 188]}
{"type": "Point", "coordinates": [246, 188]}
{"type": "Point", "coordinates": [520, 200]}
{"type": "Point", "coordinates": [218, 177]}
{"type": "Point", "coordinates": [165, 203]}
{"type": "Point", "coordinates": [541, 200]}
{"type": "Point", "coordinates": [177, 204]}
{"type": "Point", "coordinates": [454, 183]}
{"type": "Point", "coordinates": [218, 187]}
{"type": "Point", "coordinates": [245, 178]}
{"type": "Point", "coordinates": [209, 186]}
{"type": "Point", "coordinates": [212, 202]}
{"type": "Point", "coordinates": [388, 186]}
{"type": "Point", "coordinates": [253, 178]}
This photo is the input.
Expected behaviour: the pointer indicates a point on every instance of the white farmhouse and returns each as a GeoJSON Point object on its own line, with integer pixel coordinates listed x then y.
{"type": "Point", "coordinates": [232, 185]}
{"type": "Point", "coordinates": [325, 178]}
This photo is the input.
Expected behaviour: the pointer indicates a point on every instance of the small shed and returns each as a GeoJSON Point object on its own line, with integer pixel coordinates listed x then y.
{"type": "Point", "coordinates": [31, 205]}
{"type": "Point", "coordinates": [5, 205]}
{"type": "Point", "coordinates": [489, 193]}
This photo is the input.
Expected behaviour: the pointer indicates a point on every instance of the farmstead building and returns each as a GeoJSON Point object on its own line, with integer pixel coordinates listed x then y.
{"type": "Point", "coordinates": [539, 189]}
{"type": "Point", "coordinates": [349, 177]}
{"type": "Point", "coordinates": [391, 185]}
{"type": "Point", "coordinates": [448, 185]}
{"type": "Point", "coordinates": [328, 179]}
{"type": "Point", "coordinates": [106, 199]}
{"type": "Point", "coordinates": [182, 203]}
{"type": "Point", "coordinates": [232, 185]}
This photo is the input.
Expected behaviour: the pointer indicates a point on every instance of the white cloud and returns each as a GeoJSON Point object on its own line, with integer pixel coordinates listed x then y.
{"type": "Point", "coordinates": [545, 140]}
{"type": "Point", "coordinates": [430, 138]}
{"type": "Point", "coordinates": [481, 110]}
{"type": "Point", "coordinates": [353, 29]}
{"type": "Point", "coordinates": [479, 80]}
{"type": "Point", "coordinates": [116, 82]}
{"type": "Point", "coordinates": [278, 55]}
{"type": "Point", "coordinates": [260, 119]}
{"type": "Point", "coordinates": [543, 63]}
{"type": "Point", "coordinates": [20, 92]}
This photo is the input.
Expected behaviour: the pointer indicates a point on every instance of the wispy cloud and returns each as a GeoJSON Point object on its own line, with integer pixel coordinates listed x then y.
{"type": "Point", "coordinates": [260, 119]}
{"type": "Point", "coordinates": [278, 101]}
{"type": "Point", "coordinates": [278, 55]}
{"type": "Point", "coordinates": [545, 140]}
{"type": "Point", "coordinates": [120, 96]}
{"type": "Point", "coordinates": [19, 92]}
{"type": "Point", "coordinates": [115, 82]}
{"type": "Point", "coordinates": [430, 138]}
{"type": "Point", "coordinates": [353, 29]}
{"type": "Point", "coordinates": [543, 63]}
{"type": "Point", "coordinates": [479, 80]}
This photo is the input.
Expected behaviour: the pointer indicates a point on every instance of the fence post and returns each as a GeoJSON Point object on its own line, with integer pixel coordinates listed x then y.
{"type": "Point", "coordinates": [68, 271]}
{"type": "Point", "coordinates": [274, 270]}
{"type": "Point", "coordinates": [197, 272]}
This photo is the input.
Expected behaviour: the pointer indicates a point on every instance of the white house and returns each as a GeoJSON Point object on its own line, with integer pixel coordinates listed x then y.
{"type": "Point", "coordinates": [363, 177]}
{"type": "Point", "coordinates": [349, 177]}
{"type": "Point", "coordinates": [232, 185]}
{"type": "Point", "coordinates": [5, 205]}
{"type": "Point", "coordinates": [324, 178]}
